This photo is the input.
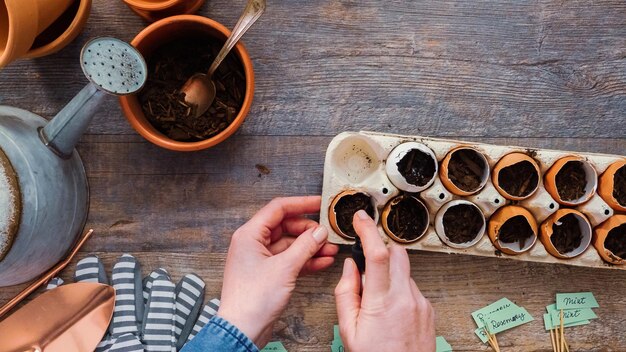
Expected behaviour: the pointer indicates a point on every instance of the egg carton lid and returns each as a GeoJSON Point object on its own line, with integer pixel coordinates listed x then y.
{"type": "Point", "coordinates": [10, 205]}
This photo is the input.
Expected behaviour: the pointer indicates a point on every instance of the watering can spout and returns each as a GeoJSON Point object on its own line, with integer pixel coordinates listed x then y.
{"type": "Point", "coordinates": [62, 133]}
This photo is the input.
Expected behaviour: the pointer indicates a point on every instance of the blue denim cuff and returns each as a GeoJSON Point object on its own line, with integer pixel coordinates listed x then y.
{"type": "Point", "coordinates": [220, 335]}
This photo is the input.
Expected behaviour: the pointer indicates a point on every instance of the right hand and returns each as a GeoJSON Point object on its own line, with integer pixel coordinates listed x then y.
{"type": "Point", "coordinates": [392, 314]}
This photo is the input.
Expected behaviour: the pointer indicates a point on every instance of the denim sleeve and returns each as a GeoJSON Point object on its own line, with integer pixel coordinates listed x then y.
{"type": "Point", "coordinates": [220, 335]}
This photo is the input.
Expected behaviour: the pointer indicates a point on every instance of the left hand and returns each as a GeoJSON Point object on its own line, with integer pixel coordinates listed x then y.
{"type": "Point", "coordinates": [266, 256]}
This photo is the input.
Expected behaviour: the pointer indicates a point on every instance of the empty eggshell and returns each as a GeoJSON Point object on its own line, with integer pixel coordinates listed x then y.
{"type": "Point", "coordinates": [393, 166]}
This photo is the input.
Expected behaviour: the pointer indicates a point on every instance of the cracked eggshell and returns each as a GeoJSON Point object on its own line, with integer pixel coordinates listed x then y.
{"type": "Point", "coordinates": [600, 234]}
{"type": "Point", "coordinates": [396, 156]}
{"type": "Point", "coordinates": [500, 217]}
{"type": "Point", "coordinates": [590, 173]}
{"type": "Point", "coordinates": [510, 160]}
{"type": "Point", "coordinates": [440, 228]}
{"type": "Point", "coordinates": [547, 232]}
{"type": "Point", "coordinates": [332, 215]}
{"type": "Point", "coordinates": [607, 185]}
{"type": "Point", "coordinates": [387, 211]}
{"type": "Point", "coordinates": [447, 182]}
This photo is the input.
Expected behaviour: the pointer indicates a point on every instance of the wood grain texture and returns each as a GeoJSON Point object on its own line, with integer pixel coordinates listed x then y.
{"type": "Point", "coordinates": [548, 74]}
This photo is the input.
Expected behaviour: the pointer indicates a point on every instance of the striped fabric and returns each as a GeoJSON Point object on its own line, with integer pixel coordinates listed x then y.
{"type": "Point", "coordinates": [147, 282]}
{"type": "Point", "coordinates": [127, 284]}
{"type": "Point", "coordinates": [105, 344]}
{"type": "Point", "coordinates": [189, 297]}
{"type": "Point", "coordinates": [126, 343]}
{"type": "Point", "coordinates": [54, 283]}
{"type": "Point", "coordinates": [210, 309]}
{"type": "Point", "coordinates": [90, 269]}
{"type": "Point", "coordinates": [158, 322]}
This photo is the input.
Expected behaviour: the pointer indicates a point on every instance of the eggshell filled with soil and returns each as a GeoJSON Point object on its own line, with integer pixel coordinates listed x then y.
{"type": "Point", "coordinates": [571, 180]}
{"type": "Point", "coordinates": [516, 176]}
{"type": "Point", "coordinates": [566, 234]}
{"type": "Point", "coordinates": [610, 240]}
{"type": "Point", "coordinates": [405, 219]}
{"type": "Point", "coordinates": [612, 187]}
{"type": "Point", "coordinates": [412, 167]}
{"type": "Point", "coordinates": [464, 171]}
{"type": "Point", "coordinates": [460, 224]}
{"type": "Point", "coordinates": [513, 229]}
{"type": "Point", "coordinates": [343, 208]}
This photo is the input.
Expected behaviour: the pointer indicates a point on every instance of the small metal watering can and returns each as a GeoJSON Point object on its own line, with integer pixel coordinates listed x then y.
{"type": "Point", "coordinates": [44, 196]}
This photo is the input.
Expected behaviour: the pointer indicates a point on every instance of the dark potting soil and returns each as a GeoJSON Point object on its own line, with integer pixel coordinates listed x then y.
{"type": "Point", "coordinates": [417, 167]}
{"type": "Point", "coordinates": [462, 223]}
{"type": "Point", "coordinates": [567, 236]}
{"type": "Point", "coordinates": [347, 206]}
{"type": "Point", "coordinates": [466, 169]}
{"type": "Point", "coordinates": [516, 229]}
{"type": "Point", "coordinates": [407, 219]}
{"type": "Point", "coordinates": [616, 241]}
{"type": "Point", "coordinates": [571, 181]}
{"type": "Point", "coordinates": [519, 179]}
{"type": "Point", "coordinates": [169, 67]}
{"type": "Point", "coordinates": [619, 186]}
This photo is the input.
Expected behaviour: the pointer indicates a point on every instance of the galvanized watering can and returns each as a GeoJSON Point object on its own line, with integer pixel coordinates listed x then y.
{"type": "Point", "coordinates": [44, 196]}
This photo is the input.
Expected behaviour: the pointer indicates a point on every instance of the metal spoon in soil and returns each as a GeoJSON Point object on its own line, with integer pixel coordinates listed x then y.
{"type": "Point", "coordinates": [199, 89]}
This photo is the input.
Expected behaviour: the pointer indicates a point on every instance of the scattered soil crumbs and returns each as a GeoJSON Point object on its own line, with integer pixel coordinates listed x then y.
{"type": "Point", "coordinates": [516, 229]}
{"type": "Point", "coordinates": [169, 67]}
{"type": "Point", "coordinates": [462, 223]}
{"type": "Point", "coordinates": [567, 236]}
{"type": "Point", "coordinates": [466, 169]}
{"type": "Point", "coordinates": [519, 180]}
{"type": "Point", "coordinates": [571, 181]}
{"type": "Point", "coordinates": [619, 186]}
{"type": "Point", "coordinates": [347, 206]}
{"type": "Point", "coordinates": [408, 219]}
{"type": "Point", "coordinates": [417, 167]}
{"type": "Point", "coordinates": [616, 241]}
{"type": "Point", "coordinates": [263, 170]}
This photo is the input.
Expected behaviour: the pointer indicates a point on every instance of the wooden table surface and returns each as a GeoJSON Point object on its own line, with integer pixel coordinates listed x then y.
{"type": "Point", "coordinates": [534, 73]}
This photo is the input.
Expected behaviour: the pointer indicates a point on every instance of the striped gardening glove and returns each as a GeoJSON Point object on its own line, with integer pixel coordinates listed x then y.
{"type": "Point", "coordinates": [151, 314]}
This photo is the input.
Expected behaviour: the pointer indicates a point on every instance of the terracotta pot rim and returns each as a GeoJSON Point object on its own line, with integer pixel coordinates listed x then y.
{"type": "Point", "coordinates": [72, 31]}
{"type": "Point", "coordinates": [143, 126]}
{"type": "Point", "coordinates": [154, 15]}
{"type": "Point", "coordinates": [449, 185]}
{"type": "Point", "coordinates": [151, 5]}
{"type": "Point", "coordinates": [332, 215]}
{"type": "Point", "coordinates": [498, 167]}
{"type": "Point", "coordinates": [387, 211]}
{"type": "Point", "coordinates": [19, 23]}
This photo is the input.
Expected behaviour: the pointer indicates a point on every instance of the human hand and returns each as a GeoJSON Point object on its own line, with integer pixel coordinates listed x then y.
{"type": "Point", "coordinates": [266, 256]}
{"type": "Point", "coordinates": [391, 304]}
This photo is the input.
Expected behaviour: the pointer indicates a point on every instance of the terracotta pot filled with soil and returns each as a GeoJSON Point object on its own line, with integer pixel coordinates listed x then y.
{"type": "Point", "coordinates": [175, 48]}
{"type": "Point", "coordinates": [343, 208]}
{"type": "Point", "coordinates": [464, 171]}
{"type": "Point", "coordinates": [460, 224]}
{"type": "Point", "coordinates": [566, 234]}
{"type": "Point", "coordinates": [513, 229]}
{"type": "Point", "coordinates": [516, 176]}
{"type": "Point", "coordinates": [612, 186]}
{"type": "Point", "coordinates": [405, 219]}
{"type": "Point", "coordinates": [571, 180]}
{"type": "Point", "coordinates": [610, 240]}
{"type": "Point", "coordinates": [412, 167]}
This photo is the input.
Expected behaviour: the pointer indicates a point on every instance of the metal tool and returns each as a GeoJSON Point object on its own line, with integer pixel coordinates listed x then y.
{"type": "Point", "coordinates": [51, 197]}
{"type": "Point", "coordinates": [199, 89]}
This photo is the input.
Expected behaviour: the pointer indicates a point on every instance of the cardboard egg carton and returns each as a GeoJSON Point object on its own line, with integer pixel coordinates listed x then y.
{"type": "Point", "coordinates": [357, 161]}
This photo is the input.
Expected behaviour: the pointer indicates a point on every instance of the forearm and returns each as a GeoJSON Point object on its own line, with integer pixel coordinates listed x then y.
{"type": "Point", "coordinates": [220, 335]}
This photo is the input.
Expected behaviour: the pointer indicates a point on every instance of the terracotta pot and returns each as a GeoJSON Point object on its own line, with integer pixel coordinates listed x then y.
{"type": "Point", "coordinates": [591, 176]}
{"type": "Point", "coordinates": [396, 156]}
{"type": "Point", "coordinates": [154, 10]}
{"type": "Point", "coordinates": [513, 160]}
{"type": "Point", "coordinates": [599, 239]}
{"type": "Point", "coordinates": [441, 230]}
{"type": "Point", "coordinates": [607, 185]}
{"type": "Point", "coordinates": [450, 185]}
{"type": "Point", "coordinates": [332, 215]}
{"type": "Point", "coordinates": [547, 232]}
{"type": "Point", "coordinates": [500, 218]}
{"type": "Point", "coordinates": [163, 32]}
{"type": "Point", "coordinates": [34, 28]}
{"type": "Point", "coordinates": [387, 210]}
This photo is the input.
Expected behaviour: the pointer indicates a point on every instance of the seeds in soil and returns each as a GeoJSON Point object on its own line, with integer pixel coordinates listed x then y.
{"type": "Point", "coordinates": [516, 229]}
{"type": "Point", "coordinates": [466, 169]}
{"type": "Point", "coordinates": [407, 219]}
{"type": "Point", "coordinates": [616, 241]}
{"type": "Point", "coordinates": [571, 181]}
{"type": "Point", "coordinates": [164, 105]}
{"type": "Point", "coordinates": [462, 223]}
{"type": "Point", "coordinates": [417, 167]}
{"type": "Point", "coordinates": [347, 206]}
{"type": "Point", "coordinates": [519, 180]}
{"type": "Point", "coordinates": [619, 186]}
{"type": "Point", "coordinates": [566, 234]}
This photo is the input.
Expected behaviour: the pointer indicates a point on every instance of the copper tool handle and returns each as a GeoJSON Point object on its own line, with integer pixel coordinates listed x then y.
{"type": "Point", "coordinates": [45, 277]}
